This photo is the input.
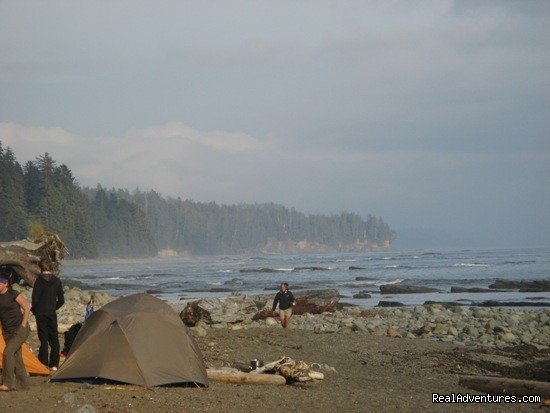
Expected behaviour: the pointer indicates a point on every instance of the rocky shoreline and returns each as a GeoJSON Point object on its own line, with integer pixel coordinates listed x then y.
{"type": "Point", "coordinates": [466, 326]}
{"type": "Point", "coordinates": [490, 327]}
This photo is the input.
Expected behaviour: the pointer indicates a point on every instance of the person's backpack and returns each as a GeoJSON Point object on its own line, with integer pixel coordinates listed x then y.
{"type": "Point", "coordinates": [70, 335]}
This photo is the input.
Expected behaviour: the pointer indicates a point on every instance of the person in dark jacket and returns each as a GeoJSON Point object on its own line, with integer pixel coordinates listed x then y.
{"type": "Point", "coordinates": [285, 299]}
{"type": "Point", "coordinates": [47, 298]}
{"type": "Point", "coordinates": [14, 317]}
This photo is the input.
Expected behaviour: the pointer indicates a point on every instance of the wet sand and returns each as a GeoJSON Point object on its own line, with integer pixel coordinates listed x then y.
{"type": "Point", "coordinates": [373, 373]}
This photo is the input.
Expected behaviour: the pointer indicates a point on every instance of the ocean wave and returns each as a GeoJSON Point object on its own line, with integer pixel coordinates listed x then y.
{"type": "Point", "coordinates": [226, 271]}
{"type": "Point", "coordinates": [284, 269]}
{"type": "Point", "coordinates": [345, 260]}
{"type": "Point", "coordinates": [518, 262]}
{"type": "Point", "coordinates": [363, 284]}
{"type": "Point", "coordinates": [396, 266]}
{"type": "Point", "coordinates": [467, 264]}
{"type": "Point", "coordinates": [396, 281]}
{"type": "Point", "coordinates": [312, 268]}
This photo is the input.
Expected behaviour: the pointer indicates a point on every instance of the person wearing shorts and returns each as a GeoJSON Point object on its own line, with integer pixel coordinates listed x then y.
{"type": "Point", "coordinates": [285, 299]}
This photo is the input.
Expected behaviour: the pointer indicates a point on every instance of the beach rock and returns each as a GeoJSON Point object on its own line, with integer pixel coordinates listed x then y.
{"type": "Point", "coordinates": [393, 333]}
{"type": "Point", "coordinates": [198, 331]}
{"type": "Point", "coordinates": [270, 322]}
{"type": "Point", "coordinates": [68, 399]}
{"type": "Point", "coordinates": [86, 408]}
{"type": "Point", "coordinates": [444, 304]}
{"type": "Point", "coordinates": [455, 289]}
{"type": "Point", "coordinates": [362, 294]}
{"type": "Point", "coordinates": [508, 338]}
{"type": "Point", "coordinates": [258, 270]}
{"type": "Point", "coordinates": [231, 309]}
{"type": "Point", "coordinates": [405, 289]}
{"type": "Point", "coordinates": [390, 304]}
{"type": "Point", "coordinates": [364, 279]}
{"type": "Point", "coordinates": [494, 303]}
{"type": "Point", "coordinates": [523, 286]}
{"type": "Point", "coordinates": [316, 302]}
{"type": "Point", "coordinates": [264, 314]}
{"type": "Point", "coordinates": [353, 267]}
{"type": "Point", "coordinates": [310, 269]}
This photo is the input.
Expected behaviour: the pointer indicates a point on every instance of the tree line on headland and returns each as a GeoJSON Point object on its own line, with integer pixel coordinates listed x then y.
{"type": "Point", "coordinates": [99, 222]}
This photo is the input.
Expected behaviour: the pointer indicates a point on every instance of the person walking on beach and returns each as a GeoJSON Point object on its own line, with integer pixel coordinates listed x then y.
{"type": "Point", "coordinates": [14, 316]}
{"type": "Point", "coordinates": [285, 299]}
{"type": "Point", "coordinates": [47, 298]}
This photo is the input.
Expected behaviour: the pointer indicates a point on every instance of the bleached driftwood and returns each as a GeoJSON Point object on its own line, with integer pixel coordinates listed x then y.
{"type": "Point", "coordinates": [291, 370]}
{"type": "Point", "coordinates": [502, 385]}
{"type": "Point", "coordinates": [23, 256]}
{"type": "Point", "coordinates": [238, 377]}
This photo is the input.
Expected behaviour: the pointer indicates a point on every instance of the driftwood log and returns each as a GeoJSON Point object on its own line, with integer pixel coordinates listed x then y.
{"type": "Point", "coordinates": [239, 377]}
{"type": "Point", "coordinates": [502, 385]}
{"type": "Point", "coordinates": [291, 370]}
{"type": "Point", "coordinates": [22, 257]}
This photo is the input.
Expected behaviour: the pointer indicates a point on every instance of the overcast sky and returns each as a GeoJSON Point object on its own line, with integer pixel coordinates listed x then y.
{"type": "Point", "coordinates": [433, 114]}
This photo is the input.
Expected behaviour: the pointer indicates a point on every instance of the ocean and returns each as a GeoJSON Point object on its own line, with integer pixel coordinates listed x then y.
{"type": "Point", "coordinates": [192, 278]}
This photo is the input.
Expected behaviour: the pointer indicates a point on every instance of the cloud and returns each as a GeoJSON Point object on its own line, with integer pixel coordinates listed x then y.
{"type": "Point", "coordinates": [165, 157]}
{"type": "Point", "coordinates": [430, 113]}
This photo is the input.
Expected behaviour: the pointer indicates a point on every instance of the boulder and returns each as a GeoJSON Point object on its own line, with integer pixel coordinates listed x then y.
{"type": "Point", "coordinates": [455, 289]}
{"type": "Point", "coordinates": [231, 309]}
{"type": "Point", "coordinates": [307, 302]}
{"type": "Point", "coordinates": [316, 302]}
{"type": "Point", "coordinates": [405, 289]}
{"type": "Point", "coordinates": [362, 294]}
{"type": "Point", "coordinates": [445, 304]}
{"type": "Point", "coordinates": [390, 304]}
{"type": "Point", "coordinates": [523, 286]}
{"type": "Point", "coordinates": [270, 321]}
{"type": "Point", "coordinates": [493, 303]}
{"type": "Point", "coordinates": [264, 314]}
{"type": "Point", "coordinates": [393, 333]}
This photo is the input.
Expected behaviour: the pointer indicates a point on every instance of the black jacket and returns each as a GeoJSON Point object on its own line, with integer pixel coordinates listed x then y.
{"type": "Point", "coordinates": [47, 295]}
{"type": "Point", "coordinates": [284, 300]}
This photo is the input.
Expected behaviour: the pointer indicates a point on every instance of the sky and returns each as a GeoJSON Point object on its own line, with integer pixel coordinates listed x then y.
{"type": "Point", "coordinates": [432, 114]}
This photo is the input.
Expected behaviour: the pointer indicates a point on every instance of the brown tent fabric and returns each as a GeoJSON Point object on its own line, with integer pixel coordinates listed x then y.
{"type": "Point", "coordinates": [137, 339]}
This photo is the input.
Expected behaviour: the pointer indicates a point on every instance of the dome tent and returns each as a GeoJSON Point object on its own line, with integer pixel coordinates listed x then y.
{"type": "Point", "coordinates": [136, 339]}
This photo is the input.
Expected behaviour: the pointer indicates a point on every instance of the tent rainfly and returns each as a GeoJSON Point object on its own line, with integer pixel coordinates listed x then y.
{"type": "Point", "coordinates": [137, 339]}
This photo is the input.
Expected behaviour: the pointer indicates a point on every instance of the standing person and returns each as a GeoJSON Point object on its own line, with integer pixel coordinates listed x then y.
{"type": "Point", "coordinates": [14, 316]}
{"type": "Point", "coordinates": [89, 308]}
{"type": "Point", "coordinates": [47, 298]}
{"type": "Point", "coordinates": [285, 299]}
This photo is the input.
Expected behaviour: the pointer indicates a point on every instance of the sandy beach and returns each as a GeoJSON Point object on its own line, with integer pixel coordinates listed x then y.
{"type": "Point", "coordinates": [365, 368]}
{"type": "Point", "coordinates": [372, 374]}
